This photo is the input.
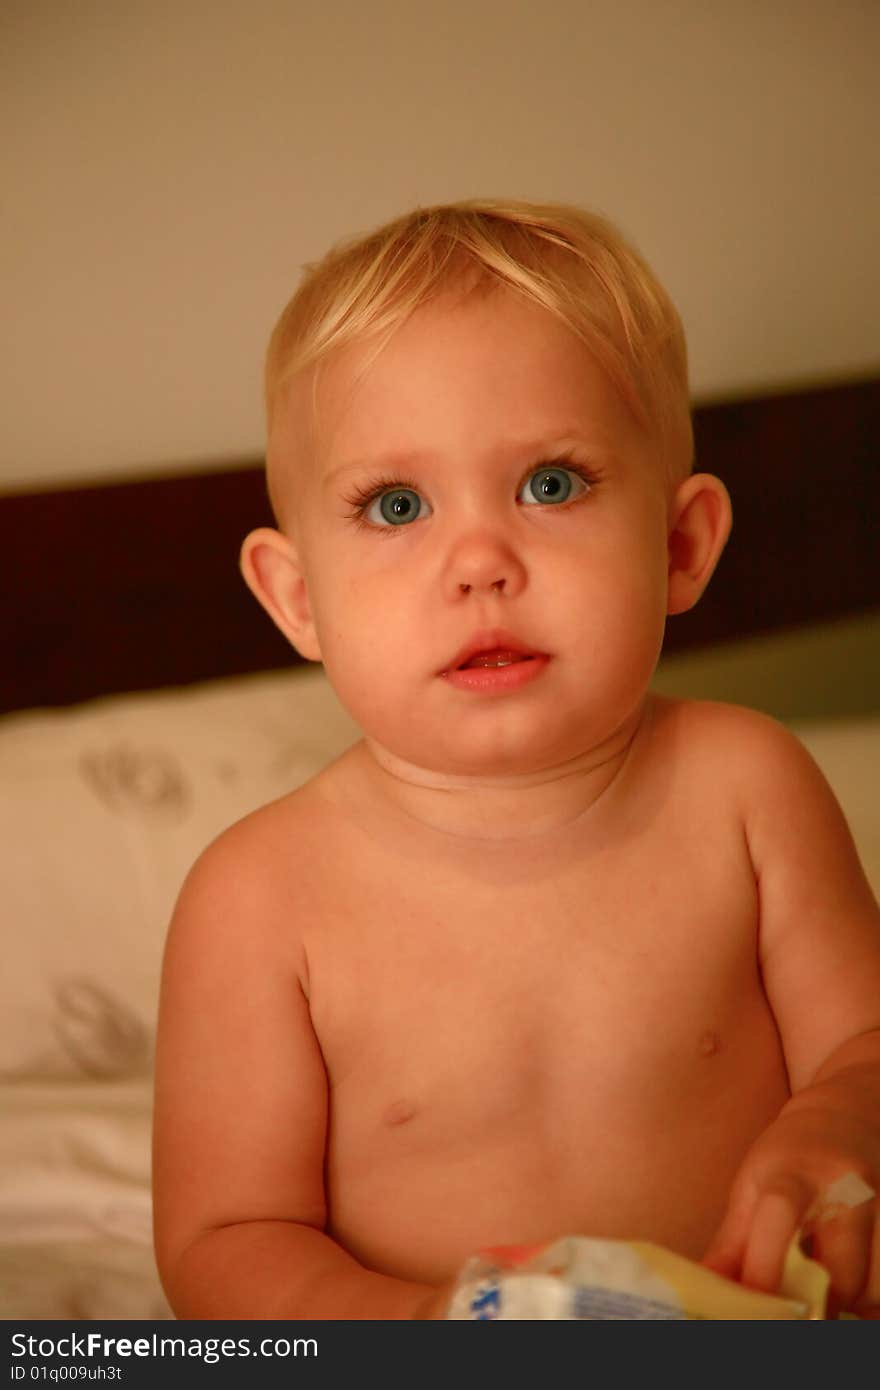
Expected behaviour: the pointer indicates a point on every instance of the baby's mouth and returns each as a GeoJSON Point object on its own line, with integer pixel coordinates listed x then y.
{"type": "Point", "coordinates": [499, 657]}
{"type": "Point", "coordinates": [491, 649]}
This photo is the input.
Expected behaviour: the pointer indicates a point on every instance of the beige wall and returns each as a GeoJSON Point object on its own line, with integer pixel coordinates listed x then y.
{"type": "Point", "coordinates": [170, 165]}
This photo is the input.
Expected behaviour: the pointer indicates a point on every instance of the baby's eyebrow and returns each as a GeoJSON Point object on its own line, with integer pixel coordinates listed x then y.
{"type": "Point", "coordinates": [394, 462]}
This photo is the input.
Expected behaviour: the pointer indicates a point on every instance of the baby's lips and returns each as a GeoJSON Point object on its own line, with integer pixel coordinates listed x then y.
{"type": "Point", "coordinates": [489, 639]}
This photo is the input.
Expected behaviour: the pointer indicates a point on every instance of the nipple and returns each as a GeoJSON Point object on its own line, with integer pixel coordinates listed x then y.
{"type": "Point", "coordinates": [710, 1043]}
{"type": "Point", "coordinates": [399, 1112]}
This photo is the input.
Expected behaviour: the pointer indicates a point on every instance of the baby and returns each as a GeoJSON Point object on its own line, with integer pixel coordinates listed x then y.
{"type": "Point", "coordinates": [543, 953]}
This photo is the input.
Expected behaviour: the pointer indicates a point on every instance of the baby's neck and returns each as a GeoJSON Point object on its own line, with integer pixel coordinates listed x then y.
{"type": "Point", "coordinates": [505, 809]}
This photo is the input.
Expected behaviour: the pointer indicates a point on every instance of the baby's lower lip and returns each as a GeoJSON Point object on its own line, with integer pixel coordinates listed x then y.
{"type": "Point", "coordinates": [492, 679]}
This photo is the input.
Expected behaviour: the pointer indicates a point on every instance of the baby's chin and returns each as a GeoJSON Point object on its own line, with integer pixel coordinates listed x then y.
{"type": "Point", "coordinates": [449, 763]}
{"type": "Point", "coordinates": [511, 742]}
{"type": "Point", "coordinates": [517, 802]}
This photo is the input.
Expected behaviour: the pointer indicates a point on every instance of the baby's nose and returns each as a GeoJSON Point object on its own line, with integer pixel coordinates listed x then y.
{"type": "Point", "coordinates": [496, 584]}
{"type": "Point", "coordinates": [484, 564]}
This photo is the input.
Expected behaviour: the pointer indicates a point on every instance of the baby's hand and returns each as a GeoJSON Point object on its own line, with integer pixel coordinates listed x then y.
{"type": "Point", "coordinates": [436, 1305]}
{"type": "Point", "coordinates": [794, 1178]}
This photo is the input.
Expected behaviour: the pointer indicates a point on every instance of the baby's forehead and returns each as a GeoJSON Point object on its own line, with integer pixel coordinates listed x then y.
{"type": "Point", "coordinates": [530, 366]}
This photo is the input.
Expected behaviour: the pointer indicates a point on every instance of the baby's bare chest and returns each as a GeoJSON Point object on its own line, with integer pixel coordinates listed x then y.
{"type": "Point", "coordinates": [539, 983]}
{"type": "Point", "coordinates": [536, 1047]}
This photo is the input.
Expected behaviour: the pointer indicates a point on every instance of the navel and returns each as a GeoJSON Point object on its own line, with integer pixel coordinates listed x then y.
{"type": "Point", "coordinates": [709, 1044]}
{"type": "Point", "coordinates": [398, 1113]}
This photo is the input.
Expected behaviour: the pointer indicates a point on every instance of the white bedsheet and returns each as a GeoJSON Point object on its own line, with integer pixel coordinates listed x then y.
{"type": "Point", "coordinates": [75, 1201]}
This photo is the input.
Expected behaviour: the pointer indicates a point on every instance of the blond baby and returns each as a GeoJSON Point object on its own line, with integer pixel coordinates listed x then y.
{"type": "Point", "coordinates": [543, 953]}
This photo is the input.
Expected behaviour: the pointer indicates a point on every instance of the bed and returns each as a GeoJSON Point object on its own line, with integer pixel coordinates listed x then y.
{"type": "Point", "coordinates": [146, 703]}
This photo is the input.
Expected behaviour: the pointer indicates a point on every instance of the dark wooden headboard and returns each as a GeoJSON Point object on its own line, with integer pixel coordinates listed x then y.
{"type": "Point", "coordinates": [136, 585]}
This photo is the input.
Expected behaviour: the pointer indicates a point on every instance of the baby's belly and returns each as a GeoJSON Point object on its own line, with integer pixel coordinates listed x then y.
{"type": "Point", "coordinates": [557, 1126]}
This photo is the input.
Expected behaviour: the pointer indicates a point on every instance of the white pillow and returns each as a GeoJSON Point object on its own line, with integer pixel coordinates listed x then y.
{"type": "Point", "coordinates": [103, 808]}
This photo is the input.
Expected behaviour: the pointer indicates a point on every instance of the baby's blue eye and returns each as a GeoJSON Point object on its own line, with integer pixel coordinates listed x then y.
{"type": "Point", "coordinates": [396, 507]}
{"type": "Point", "coordinates": [550, 485]}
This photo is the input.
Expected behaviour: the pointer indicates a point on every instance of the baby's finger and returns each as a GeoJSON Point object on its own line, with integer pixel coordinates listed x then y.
{"type": "Point", "coordinates": [843, 1245]}
{"type": "Point", "coordinates": [776, 1221]}
{"type": "Point", "coordinates": [724, 1253]}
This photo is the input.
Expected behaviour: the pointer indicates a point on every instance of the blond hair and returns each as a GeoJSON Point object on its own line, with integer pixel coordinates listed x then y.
{"type": "Point", "coordinates": [570, 261]}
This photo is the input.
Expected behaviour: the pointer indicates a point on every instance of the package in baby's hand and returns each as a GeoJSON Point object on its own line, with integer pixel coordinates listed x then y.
{"type": "Point", "coordinates": [579, 1278]}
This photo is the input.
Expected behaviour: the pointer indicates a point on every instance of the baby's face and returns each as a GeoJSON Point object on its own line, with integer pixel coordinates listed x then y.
{"type": "Point", "coordinates": [511, 489]}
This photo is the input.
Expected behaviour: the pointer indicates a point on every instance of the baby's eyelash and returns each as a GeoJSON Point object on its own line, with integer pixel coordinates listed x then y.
{"type": "Point", "coordinates": [588, 475]}
{"type": "Point", "coordinates": [363, 497]}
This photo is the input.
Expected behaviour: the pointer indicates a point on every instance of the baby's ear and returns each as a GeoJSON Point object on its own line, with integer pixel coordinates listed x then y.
{"type": "Point", "coordinates": [700, 522]}
{"type": "Point", "coordinates": [272, 571]}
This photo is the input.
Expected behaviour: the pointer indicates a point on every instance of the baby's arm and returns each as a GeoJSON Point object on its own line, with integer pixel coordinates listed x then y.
{"type": "Point", "coordinates": [819, 947]}
{"type": "Point", "coordinates": [241, 1112]}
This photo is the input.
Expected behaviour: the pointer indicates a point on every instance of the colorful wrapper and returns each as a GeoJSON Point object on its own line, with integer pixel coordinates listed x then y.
{"type": "Point", "coordinates": [578, 1278]}
{"type": "Point", "coordinates": [583, 1279]}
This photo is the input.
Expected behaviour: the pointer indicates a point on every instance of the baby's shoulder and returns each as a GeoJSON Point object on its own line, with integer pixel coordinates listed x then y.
{"type": "Point", "coordinates": [718, 721]}
{"type": "Point", "coordinates": [271, 834]}
{"type": "Point", "coordinates": [251, 860]}
{"type": "Point", "coordinates": [738, 746]}
{"type": "Point", "coordinates": [245, 898]}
